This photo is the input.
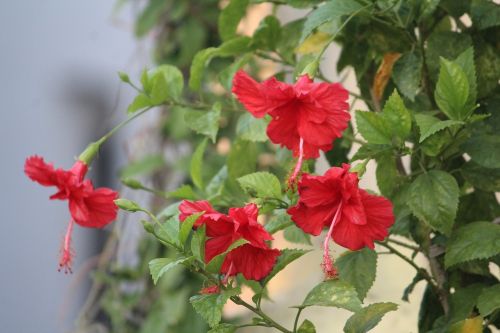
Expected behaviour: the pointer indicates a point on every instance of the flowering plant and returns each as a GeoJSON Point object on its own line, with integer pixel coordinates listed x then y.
{"type": "Point", "coordinates": [427, 73]}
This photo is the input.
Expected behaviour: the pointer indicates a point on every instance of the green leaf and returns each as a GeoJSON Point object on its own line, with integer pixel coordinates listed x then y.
{"type": "Point", "coordinates": [367, 318]}
{"type": "Point", "coordinates": [332, 10]}
{"type": "Point", "coordinates": [335, 293]}
{"type": "Point", "coordinates": [268, 33]}
{"type": "Point", "coordinates": [306, 327]}
{"type": "Point", "coordinates": [170, 229]}
{"type": "Point", "coordinates": [407, 72]}
{"type": "Point", "coordinates": [392, 126]}
{"type": "Point", "coordinates": [369, 151]}
{"type": "Point", "coordinates": [286, 257]}
{"type": "Point", "coordinates": [481, 178]}
{"type": "Point", "coordinates": [187, 226]}
{"type": "Point", "coordinates": [209, 307]}
{"type": "Point", "coordinates": [242, 159]}
{"type": "Point", "coordinates": [204, 122]}
{"type": "Point", "coordinates": [388, 177]}
{"type": "Point", "coordinates": [160, 266]}
{"type": "Point", "coordinates": [485, 14]}
{"type": "Point", "coordinates": [469, 325]}
{"type": "Point", "coordinates": [140, 102]}
{"type": "Point", "coordinates": [290, 36]}
{"type": "Point", "coordinates": [200, 62]}
{"type": "Point", "coordinates": [230, 17]}
{"type": "Point", "coordinates": [466, 61]}
{"type": "Point", "coordinates": [226, 76]}
{"type": "Point", "coordinates": [489, 300]}
{"type": "Point", "coordinates": [216, 263]}
{"type": "Point", "coordinates": [223, 328]}
{"type": "Point", "coordinates": [358, 268]}
{"type": "Point", "coordinates": [477, 240]}
{"type": "Point", "coordinates": [174, 82]}
{"type": "Point", "coordinates": [462, 302]}
{"type": "Point", "coordinates": [183, 192]}
{"type": "Point", "coordinates": [483, 149]}
{"type": "Point", "coordinates": [198, 244]}
{"type": "Point", "coordinates": [261, 185]}
{"type": "Point", "coordinates": [293, 234]}
{"type": "Point", "coordinates": [434, 199]}
{"type": "Point", "coordinates": [196, 166]}
{"type": "Point", "coordinates": [429, 125]}
{"type": "Point", "coordinates": [148, 18]}
{"type": "Point", "coordinates": [250, 128]}
{"type": "Point", "coordinates": [452, 91]}
{"type": "Point", "coordinates": [278, 222]}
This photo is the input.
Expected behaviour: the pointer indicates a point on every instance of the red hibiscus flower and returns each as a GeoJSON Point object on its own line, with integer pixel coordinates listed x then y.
{"type": "Point", "coordinates": [254, 259]}
{"type": "Point", "coordinates": [354, 217]}
{"type": "Point", "coordinates": [89, 207]}
{"type": "Point", "coordinates": [306, 117]}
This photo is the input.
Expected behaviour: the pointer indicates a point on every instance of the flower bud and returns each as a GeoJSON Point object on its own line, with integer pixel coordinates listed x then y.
{"type": "Point", "coordinates": [132, 183]}
{"type": "Point", "coordinates": [87, 156]}
{"type": "Point", "coordinates": [128, 205]}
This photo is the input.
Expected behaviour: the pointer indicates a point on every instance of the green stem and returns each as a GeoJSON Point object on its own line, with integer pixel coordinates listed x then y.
{"type": "Point", "coordinates": [296, 322]}
{"type": "Point", "coordinates": [237, 300]}
{"type": "Point", "coordinates": [419, 269]}
{"type": "Point", "coordinates": [122, 124]}
{"type": "Point", "coordinates": [408, 246]}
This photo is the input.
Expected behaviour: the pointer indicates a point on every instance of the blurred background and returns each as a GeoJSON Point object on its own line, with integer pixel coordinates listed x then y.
{"type": "Point", "coordinates": [59, 91]}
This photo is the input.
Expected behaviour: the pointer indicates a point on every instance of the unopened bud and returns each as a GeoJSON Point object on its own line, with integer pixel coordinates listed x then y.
{"type": "Point", "coordinates": [128, 205]}
{"type": "Point", "coordinates": [148, 226]}
{"type": "Point", "coordinates": [132, 183]}
{"type": "Point", "coordinates": [87, 156]}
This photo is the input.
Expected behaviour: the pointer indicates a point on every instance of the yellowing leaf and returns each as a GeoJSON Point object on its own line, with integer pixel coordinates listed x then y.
{"type": "Point", "coordinates": [314, 43]}
{"type": "Point", "coordinates": [384, 73]}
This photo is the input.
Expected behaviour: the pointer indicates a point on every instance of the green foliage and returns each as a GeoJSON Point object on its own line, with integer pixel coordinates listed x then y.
{"type": "Point", "coordinates": [206, 123]}
{"type": "Point", "coordinates": [407, 72]}
{"type": "Point", "coordinates": [210, 306]}
{"type": "Point", "coordinates": [261, 185]}
{"type": "Point", "coordinates": [160, 266]}
{"type": "Point", "coordinates": [489, 300]}
{"type": "Point", "coordinates": [434, 199]}
{"type": "Point", "coordinates": [230, 18]}
{"type": "Point", "coordinates": [477, 240]}
{"type": "Point", "coordinates": [306, 327]}
{"type": "Point", "coordinates": [285, 258]}
{"type": "Point", "coordinates": [196, 167]}
{"type": "Point", "coordinates": [392, 126]}
{"type": "Point", "coordinates": [250, 128]}
{"type": "Point", "coordinates": [335, 293]}
{"type": "Point", "coordinates": [367, 318]}
{"type": "Point", "coordinates": [358, 268]}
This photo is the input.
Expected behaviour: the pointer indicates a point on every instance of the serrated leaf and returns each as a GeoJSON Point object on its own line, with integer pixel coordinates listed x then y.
{"type": "Point", "coordinates": [261, 185]}
{"type": "Point", "coordinates": [187, 226]}
{"type": "Point", "coordinates": [434, 199]}
{"type": "Point", "coordinates": [483, 149]}
{"type": "Point", "coordinates": [391, 126]}
{"type": "Point", "coordinates": [160, 266]}
{"type": "Point", "coordinates": [230, 17]}
{"type": "Point", "coordinates": [482, 178]}
{"type": "Point", "coordinates": [477, 240]}
{"type": "Point", "coordinates": [466, 61]}
{"type": "Point", "coordinates": [369, 151]}
{"type": "Point", "coordinates": [286, 257]}
{"type": "Point", "coordinates": [216, 263]}
{"type": "Point", "coordinates": [170, 228]}
{"type": "Point", "coordinates": [279, 222]}
{"type": "Point", "coordinates": [209, 307]}
{"type": "Point", "coordinates": [295, 235]}
{"type": "Point", "coordinates": [407, 72]}
{"type": "Point", "coordinates": [205, 122]}
{"type": "Point", "coordinates": [332, 10]}
{"type": "Point", "coordinates": [306, 327]}
{"type": "Point", "coordinates": [452, 91]}
{"type": "Point", "coordinates": [196, 165]}
{"type": "Point", "coordinates": [462, 302]}
{"type": "Point", "coordinates": [359, 269]}
{"type": "Point", "coordinates": [250, 128]}
{"type": "Point", "coordinates": [387, 174]}
{"type": "Point", "coordinates": [367, 318]}
{"type": "Point", "coordinates": [429, 125]}
{"type": "Point", "coordinates": [489, 300]}
{"type": "Point", "coordinates": [334, 293]}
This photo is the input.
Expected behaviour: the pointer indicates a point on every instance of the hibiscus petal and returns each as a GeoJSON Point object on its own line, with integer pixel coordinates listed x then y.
{"type": "Point", "coordinates": [248, 92]}
{"type": "Point", "coordinates": [253, 262]}
{"type": "Point", "coordinates": [217, 245]}
{"type": "Point", "coordinates": [39, 171]}
{"type": "Point", "coordinates": [282, 130]}
{"type": "Point", "coordinates": [101, 208]}
{"type": "Point", "coordinates": [317, 191]}
{"type": "Point", "coordinates": [311, 219]}
{"type": "Point", "coordinates": [188, 208]}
